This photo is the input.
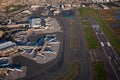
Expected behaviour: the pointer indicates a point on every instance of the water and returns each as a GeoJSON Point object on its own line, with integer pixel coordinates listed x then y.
{"type": "Point", "coordinates": [117, 17]}
{"type": "Point", "coordinates": [115, 25]}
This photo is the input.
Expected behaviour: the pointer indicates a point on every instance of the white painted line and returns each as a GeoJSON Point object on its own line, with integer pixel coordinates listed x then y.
{"type": "Point", "coordinates": [108, 43]}
{"type": "Point", "coordinates": [102, 44]}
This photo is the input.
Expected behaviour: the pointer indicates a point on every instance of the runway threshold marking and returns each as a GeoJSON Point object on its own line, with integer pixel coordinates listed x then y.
{"type": "Point", "coordinates": [102, 44]}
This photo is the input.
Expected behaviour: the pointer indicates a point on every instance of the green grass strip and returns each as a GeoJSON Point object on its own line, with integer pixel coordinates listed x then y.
{"type": "Point", "coordinates": [91, 39]}
{"type": "Point", "coordinates": [100, 71]}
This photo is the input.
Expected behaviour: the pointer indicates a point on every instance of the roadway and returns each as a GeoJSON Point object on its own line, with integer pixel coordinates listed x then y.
{"type": "Point", "coordinates": [110, 57]}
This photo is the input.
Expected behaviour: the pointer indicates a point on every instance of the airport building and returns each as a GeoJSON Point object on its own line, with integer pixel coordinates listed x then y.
{"type": "Point", "coordinates": [7, 48]}
{"type": "Point", "coordinates": [37, 23]}
{"type": "Point", "coordinates": [7, 69]}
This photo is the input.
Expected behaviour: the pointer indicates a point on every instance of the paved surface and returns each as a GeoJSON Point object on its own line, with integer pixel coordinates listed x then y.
{"type": "Point", "coordinates": [110, 57]}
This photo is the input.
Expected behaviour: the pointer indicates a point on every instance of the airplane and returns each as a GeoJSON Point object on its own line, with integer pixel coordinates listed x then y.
{"type": "Point", "coordinates": [15, 69]}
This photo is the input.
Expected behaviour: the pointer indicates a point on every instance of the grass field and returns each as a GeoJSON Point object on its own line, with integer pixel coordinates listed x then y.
{"type": "Point", "coordinates": [100, 73]}
{"type": "Point", "coordinates": [86, 11]}
{"type": "Point", "coordinates": [85, 22]}
{"type": "Point", "coordinates": [89, 34]}
{"type": "Point", "coordinates": [90, 38]}
{"type": "Point", "coordinates": [73, 72]}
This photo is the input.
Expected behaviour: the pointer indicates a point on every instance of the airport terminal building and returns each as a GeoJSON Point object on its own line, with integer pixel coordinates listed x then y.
{"type": "Point", "coordinates": [7, 48]}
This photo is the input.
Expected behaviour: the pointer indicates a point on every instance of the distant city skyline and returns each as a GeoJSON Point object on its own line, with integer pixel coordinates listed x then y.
{"type": "Point", "coordinates": [13, 1]}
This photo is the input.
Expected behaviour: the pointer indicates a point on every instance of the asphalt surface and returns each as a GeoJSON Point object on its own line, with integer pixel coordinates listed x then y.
{"type": "Point", "coordinates": [110, 57]}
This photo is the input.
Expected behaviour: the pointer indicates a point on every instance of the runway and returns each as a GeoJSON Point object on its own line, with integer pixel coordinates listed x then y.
{"type": "Point", "coordinates": [109, 53]}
